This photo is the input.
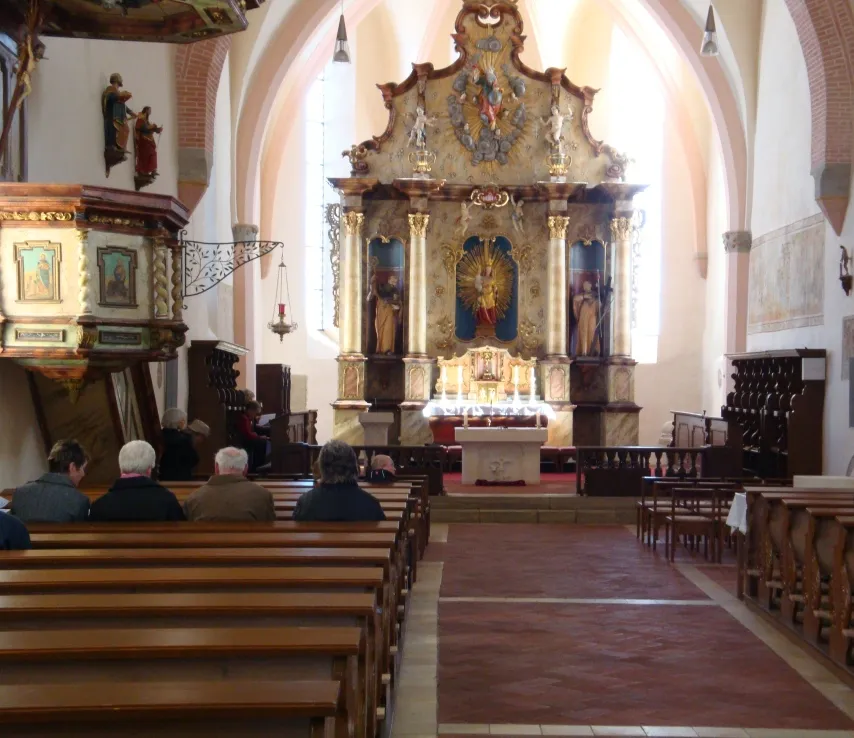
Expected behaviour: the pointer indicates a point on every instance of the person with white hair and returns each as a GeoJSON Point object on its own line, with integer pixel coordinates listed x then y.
{"type": "Point", "coordinates": [135, 496]}
{"type": "Point", "coordinates": [229, 495]}
{"type": "Point", "coordinates": [179, 455]}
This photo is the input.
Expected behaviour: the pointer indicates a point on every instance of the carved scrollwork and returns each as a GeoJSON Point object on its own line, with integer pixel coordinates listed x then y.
{"type": "Point", "coordinates": [523, 256]}
{"type": "Point", "coordinates": [161, 284]}
{"type": "Point", "coordinates": [86, 337]}
{"type": "Point", "coordinates": [445, 328]}
{"type": "Point", "coordinates": [451, 255]}
{"type": "Point", "coordinates": [84, 278]}
{"type": "Point", "coordinates": [333, 219]}
{"type": "Point", "coordinates": [114, 220]}
{"type": "Point", "coordinates": [36, 215]}
{"type": "Point", "coordinates": [357, 155]}
{"type": "Point", "coordinates": [529, 335]}
{"type": "Point", "coordinates": [621, 229]}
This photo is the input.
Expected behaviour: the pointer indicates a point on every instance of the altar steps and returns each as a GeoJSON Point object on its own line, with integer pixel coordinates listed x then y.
{"type": "Point", "coordinates": [532, 508]}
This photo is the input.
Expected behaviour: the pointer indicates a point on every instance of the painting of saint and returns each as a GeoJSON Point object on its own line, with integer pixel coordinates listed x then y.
{"type": "Point", "coordinates": [117, 271]}
{"type": "Point", "coordinates": [38, 272]}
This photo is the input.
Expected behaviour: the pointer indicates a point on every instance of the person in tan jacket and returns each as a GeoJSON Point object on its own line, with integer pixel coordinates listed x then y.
{"type": "Point", "coordinates": [229, 495]}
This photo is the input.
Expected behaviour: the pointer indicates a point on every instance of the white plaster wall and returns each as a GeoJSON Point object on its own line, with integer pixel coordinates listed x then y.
{"type": "Point", "coordinates": [66, 135]}
{"type": "Point", "coordinates": [783, 194]}
{"type": "Point", "coordinates": [22, 455]}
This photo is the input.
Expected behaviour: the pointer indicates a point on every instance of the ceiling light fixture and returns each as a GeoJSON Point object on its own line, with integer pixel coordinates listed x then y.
{"type": "Point", "coordinates": [709, 46]}
{"type": "Point", "coordinates": [342, 48]}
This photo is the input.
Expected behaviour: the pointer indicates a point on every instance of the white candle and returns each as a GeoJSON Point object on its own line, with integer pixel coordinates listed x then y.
{"type": "Point", "coordinates": [459, 379]}
{"type": "Point", "coordinates": [516, 374]}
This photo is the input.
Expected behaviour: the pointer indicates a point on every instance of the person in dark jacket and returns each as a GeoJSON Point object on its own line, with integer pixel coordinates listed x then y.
{"type": "Point", "coordinates": [382, 470]}
{"type": "Point", "coordinates": [14, 535]}
{"type": "Point", "coordinates": [54, 497]}
{"type": "Point", "coordinates": [136, 496]}
{"type": "Point", "coordinates": [338, 497]}
{"type": "Point", "coordinates": [179, 456]}
{"type": "Point", "coordinates": [255, 443]}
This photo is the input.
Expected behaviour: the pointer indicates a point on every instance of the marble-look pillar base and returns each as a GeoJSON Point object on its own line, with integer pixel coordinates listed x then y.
{"type": "Point", "coordinates": [346, 426]}
{"type": "Point", "coordinates": [560, 428]}
{"type": "Point", "coordinates": [376, 426]}
{"type": "Point", "coordinates": [620, 380]}
{"type": "Point", "coordinates": [418, 375]}
{"type": "Point", "coordinates": [621, 427]}
{"type": "Point", "coordinates": [554, 379]}
{"type": "Point", "coordinates": [414, 427]}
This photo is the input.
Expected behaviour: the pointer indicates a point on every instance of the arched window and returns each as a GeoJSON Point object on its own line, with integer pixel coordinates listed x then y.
{"type": "Point", "coordinates": [637, 128]}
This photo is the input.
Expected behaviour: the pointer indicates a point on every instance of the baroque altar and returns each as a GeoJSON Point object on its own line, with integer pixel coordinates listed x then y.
{"type": "Point", "coordinates": [483, 249]}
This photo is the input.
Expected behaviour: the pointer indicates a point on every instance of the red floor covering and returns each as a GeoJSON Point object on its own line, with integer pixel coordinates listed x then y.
{"type": "Point", "coordinates": [550, 484]}
{"type": "Point", "coordinates": [601, 664]}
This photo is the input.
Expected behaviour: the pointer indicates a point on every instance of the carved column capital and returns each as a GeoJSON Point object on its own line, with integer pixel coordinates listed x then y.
{"type": "Point", "coordinates": [353, 222]}
{"type": "Point", "coordinates": [418, 223]}
{"type": "Point", "coordinates": [244, 232]}
{"type": "Point", "coordinates": [621, 229]}
{"type": "Point", "coordinates": [737, 242]}
{"type": "Point", "coordinates": [557, 226]}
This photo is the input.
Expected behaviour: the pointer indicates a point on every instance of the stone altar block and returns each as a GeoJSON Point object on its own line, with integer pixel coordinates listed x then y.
{"type": "Point", "coordinates": [501, 454]}
{"type": "Point", "coordinates": [376, 427]}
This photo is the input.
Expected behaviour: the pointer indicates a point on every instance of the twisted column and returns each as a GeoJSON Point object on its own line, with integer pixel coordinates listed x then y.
{"type": "Point", "coordinates": [161, 284]}
{"type": "Point", "coordinates": [177, 279]}
{"type": "Point", "coordinates": [621, 232]}
{"type": "Point", "coordinates": [350, 318]}
{"type": "Point", "coordinates": [84, 277]}
{"type": "Point", "coordinates": [417, 286]}
{"type": "Point", "coordinates": [556, 286]}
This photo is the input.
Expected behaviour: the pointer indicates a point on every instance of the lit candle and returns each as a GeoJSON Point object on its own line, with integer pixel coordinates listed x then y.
{"type": "Point", "coordinates": [281, 310]}
{"type": "Point", "coordinates": [459, 379]}
{"type": "Point", "coordinates": [516, 375]}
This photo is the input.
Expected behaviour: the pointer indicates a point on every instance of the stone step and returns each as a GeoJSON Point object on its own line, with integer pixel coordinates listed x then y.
{"type": "Point", "coordinates": [530, 502]}
{"type": "Point", "coordinates": [587, 515]}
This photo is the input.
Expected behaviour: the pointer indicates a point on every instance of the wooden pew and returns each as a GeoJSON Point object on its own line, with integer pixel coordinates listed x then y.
{"type": "Point", "coordinates": [249, 709]}
{"type": "Point", "coordinates": [200, 654]}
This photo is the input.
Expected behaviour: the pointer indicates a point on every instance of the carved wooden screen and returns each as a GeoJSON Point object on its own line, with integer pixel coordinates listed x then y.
{"type": "Point", "coordinates": [14, 167]}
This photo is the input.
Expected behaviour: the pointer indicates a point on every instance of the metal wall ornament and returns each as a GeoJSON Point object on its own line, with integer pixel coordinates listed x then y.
{"type": "Point", "coordinates": [280, 325]}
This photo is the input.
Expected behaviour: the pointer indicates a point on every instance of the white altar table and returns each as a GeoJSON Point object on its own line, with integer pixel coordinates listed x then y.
{"type": "Point", "coordinates": [501, 454]}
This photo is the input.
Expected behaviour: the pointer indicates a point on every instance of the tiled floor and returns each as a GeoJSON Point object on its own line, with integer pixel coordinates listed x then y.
{"type": "Point", "coordinates": [520, 630]}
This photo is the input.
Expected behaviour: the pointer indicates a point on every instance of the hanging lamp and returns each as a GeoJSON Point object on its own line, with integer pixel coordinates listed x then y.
{"type": "Point", "coordinates": [709, 47]}
{"type": "Point", "coordinates": [342, 48]}
{"type": "Point", "coordinates": [279, 324]}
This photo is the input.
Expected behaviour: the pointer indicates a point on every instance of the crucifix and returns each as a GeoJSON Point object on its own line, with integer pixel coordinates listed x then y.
{"type": "Point", "coordinates": [30, 52]}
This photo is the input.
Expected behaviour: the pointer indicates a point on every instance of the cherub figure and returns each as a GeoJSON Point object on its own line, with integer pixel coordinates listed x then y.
{"type": "Point", "coordinates": [418, 134]}
{"type": "Point", "coordinates": [464, 219]}
{"type": "Point", "coordinates": [517, 216]}
{"type": "Point", "coordinates": [555, 123]}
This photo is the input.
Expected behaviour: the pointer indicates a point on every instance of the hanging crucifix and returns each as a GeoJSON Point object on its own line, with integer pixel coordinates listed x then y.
{"type": "Point", "coordinates": [30, 52]}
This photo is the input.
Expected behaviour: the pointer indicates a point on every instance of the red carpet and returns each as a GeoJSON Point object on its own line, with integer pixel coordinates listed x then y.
{"type": "Point", "coordinates": [550, 484]}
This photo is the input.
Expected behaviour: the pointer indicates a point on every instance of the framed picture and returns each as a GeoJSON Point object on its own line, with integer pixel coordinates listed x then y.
{"type": "Point", "coordinates": [38, 271]}
{"type": "Point", "coordinates": [117, 274]}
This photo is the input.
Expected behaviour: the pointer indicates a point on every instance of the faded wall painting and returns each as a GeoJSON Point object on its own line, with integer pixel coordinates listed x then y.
{"type": "Point", "coordinates": [117, 270]}
{"type": "Point", "coordinates": [786, 287]}
{"type": "Point", "coordinates": [38, 271]}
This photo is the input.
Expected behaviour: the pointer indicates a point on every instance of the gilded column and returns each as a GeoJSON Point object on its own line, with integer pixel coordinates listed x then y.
{"type": "Point", "coordinates": [417, 286]}
{"type": "Point", "coordinates": [350, 319]}
{"type": "Point", "coordinates": [556, 276]}
{"type": "Point", "coordinates": [621, 231]}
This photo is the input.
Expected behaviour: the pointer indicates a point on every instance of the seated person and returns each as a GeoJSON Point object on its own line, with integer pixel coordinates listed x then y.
{"type": "Point", "coordinates": [382, 469]}
{"type": "Point", "coordinates": [338, 497]}
{"type": "Point", "coordinates": [255, 444]}
{"type": "Point", "coordinates": [14, 535]}
{"type": "Point", "coordinates": [229, 495]}
{"type": "Point", "coordinates": [179, 456]}
{"type": "Point", "coordinates": [54, 497]}
{"type": "Point", "coordinates": [136, 496]}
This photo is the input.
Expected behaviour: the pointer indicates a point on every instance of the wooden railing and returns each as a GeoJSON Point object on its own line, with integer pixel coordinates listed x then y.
{"type": "Point", "coordinates": [617, 471]}
{"type": "Point", "coordinates": [298, 458]}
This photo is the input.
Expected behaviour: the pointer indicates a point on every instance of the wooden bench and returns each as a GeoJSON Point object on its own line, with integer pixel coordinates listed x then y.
{"type": "Point", "coordinates": [249, 709]}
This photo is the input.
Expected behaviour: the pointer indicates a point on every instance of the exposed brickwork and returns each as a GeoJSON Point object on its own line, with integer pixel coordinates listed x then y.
{"type": "Point", "coordinates": [197, 69]}
{"type": "Point", "coordinates": [826, 32]}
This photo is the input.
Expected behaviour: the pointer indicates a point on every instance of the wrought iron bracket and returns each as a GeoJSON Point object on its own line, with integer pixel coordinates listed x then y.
{"type": "Point", "coordinates": [207, 264]}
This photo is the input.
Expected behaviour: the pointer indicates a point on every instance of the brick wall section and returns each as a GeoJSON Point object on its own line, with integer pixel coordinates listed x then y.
{"type": "Point", "coordinates": [198, 68]}
{"type": "Point", "coordinates": [826, 32]}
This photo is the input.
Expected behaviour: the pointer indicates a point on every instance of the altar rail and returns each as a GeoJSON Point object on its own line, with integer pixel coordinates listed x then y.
{"type": "Point", "coordinates": [617, 471]}
{"type": "Point", "coordinates": [298, 458]}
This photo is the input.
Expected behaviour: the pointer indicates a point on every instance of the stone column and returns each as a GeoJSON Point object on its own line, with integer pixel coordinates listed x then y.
{"type": "Point", "coordinates": [247, 310]}
{"type": "Point", "coordinates": [556, 334]}
{"type": "Point", "coordinates": [350, 316]}
{"type": "Point", "coordinates": [417, 287]}
{"type": "Point", "coordinates": [621, 232]}
{"type": "Point", "coordinates": [737, 246]}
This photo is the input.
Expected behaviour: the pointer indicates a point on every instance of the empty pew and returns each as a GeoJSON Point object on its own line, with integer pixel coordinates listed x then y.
{"type": "Point", "coordinates": [249, 709]}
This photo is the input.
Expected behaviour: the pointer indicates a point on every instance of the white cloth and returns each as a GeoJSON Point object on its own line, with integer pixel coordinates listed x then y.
{"type": "Point", "coordinates": [737, 518]}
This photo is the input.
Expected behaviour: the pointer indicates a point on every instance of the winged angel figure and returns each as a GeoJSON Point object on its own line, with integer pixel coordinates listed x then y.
{"type": "Point", "coordinates": [486, 111]}
{"type": "Point", "coordinates": [485, 284]}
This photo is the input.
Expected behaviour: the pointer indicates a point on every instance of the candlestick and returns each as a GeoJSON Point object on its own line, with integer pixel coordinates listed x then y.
{"type": "Point", "coordinates": [459, 381]}
{"type": "Point", "coordinates": [465, 417]}
{"type": "Point", "coordinates": [515, 375]}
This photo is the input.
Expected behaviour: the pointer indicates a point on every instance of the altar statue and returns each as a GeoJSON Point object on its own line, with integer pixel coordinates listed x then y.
{"type": "Point", "coordinates": [555, 125]}
{"type": "Point", "coordinates": [388, 308]}
{"type": "Point", "coordinates": [491, 95]}
{"type": "Point", "coordinates": [517, 215]}
{"type": "Point", "coordinates": [585, 307]}
{"type": "Point", "coordinates": [486, 312]}
{"type": "Point", "coordinates": [463, 221]}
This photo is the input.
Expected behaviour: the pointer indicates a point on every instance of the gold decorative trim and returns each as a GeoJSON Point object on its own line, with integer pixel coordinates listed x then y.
{"type": "Point", "coordinates": [418, 223]}
{"type": "Point", "coordinates": [557, 226]}
{"type": "Point", "coordinates": [333, 218]}
{"type": "Point", "coordinates": [353, 222]}
{"type": "Point", "coordinates": [621, 229]}
{"type": "Point", "coordinates": [36, 215]}
{"type": "Point", "coordinates": [490, 197]}
{"type": "Point", "coordinates": [113, 220]}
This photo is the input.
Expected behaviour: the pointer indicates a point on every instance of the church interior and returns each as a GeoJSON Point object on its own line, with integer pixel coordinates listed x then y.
{"type": "Point", "coordinates": [578, 270]}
